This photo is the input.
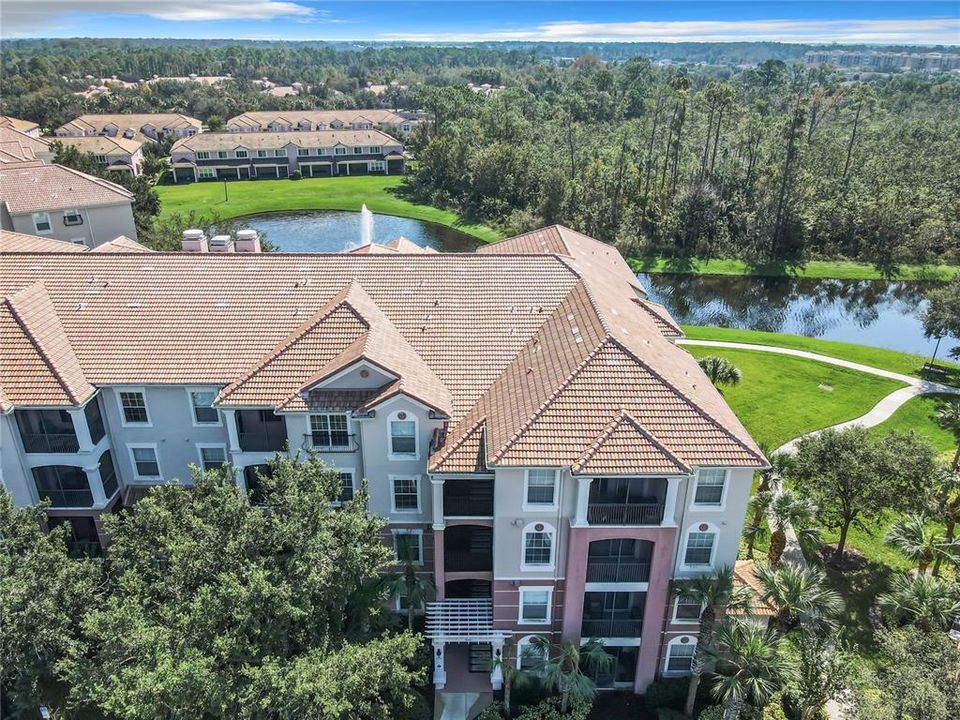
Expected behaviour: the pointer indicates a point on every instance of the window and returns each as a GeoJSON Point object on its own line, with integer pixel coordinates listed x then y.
{"type": "Point", "coordinates": [346, 486]}
{"type": "Point", "coordinates": [535, 605]}
{"type": "Point", "coordinates": [403, 436]}
{"type": "Point", "coordinates": [530, 654]}
{"type": "Point", "coordinates": [108, 475]}
{"type": "Point", "coordinates": [405, 127]}
{"type": "Point", "coordinates": [699, 548]}
{"type": "Point", "coordinates": [201, 405]}
{"type": "Point", "coordinates": [203, 155]}
{"type": "Point", "coordinates": [537, 547]}
{"type": "Point", "coordinates": [63, 486]}
{"type": "Point", "coordinates": [329, 431]}
{"type": "Point", "coordinates": [41, 221]}
{"type": "Point", "coordinates": [281, 152]}
{"type": "Point", "coordinates": [261, 153]}
{"type": "Point", "coordinates": [133, 407]}
{"type": "Point", "coordinates": [339, 151]}
{"type": "Point", "coordinates": [72, 217]}
{"type": "Point", "coordinates": [710, 484]}
{"type": "Point", "coordinates": [303, 152]}
{"type": "Point", "coordinates": [680, 653]}
{"type": "Point", "coordinates": [212, 457]}
{"type": "Point", "coordinates": [374, 150]}
{"type": "Point", "coordinates": [145, 464]}
{"type": "Point", "coordinates": [686, 610]}
{"type": "Point", "coordinates": [541, 492]}
{"type": "Point", "coordinates": [94, 421]}
{"type": "Point", "coordinates": [406, 493]}
{"type": "Point", "coordinates": [222, 154]}
{"type": "Point", "coordinates": [376, 166]}
{"type": "Point", "coordinates": [102, 159]}
{"type": "Point", "coordinates": [408, 544]}
{"type": "Point", "coordinates": [207, 172]}
{"type": "Point", "coordinates": [358, 150]}
{"type": "Point", "coordinates": [241, 153]}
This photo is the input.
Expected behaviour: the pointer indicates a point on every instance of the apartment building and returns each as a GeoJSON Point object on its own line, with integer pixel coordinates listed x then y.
{"type": "Point", "coordinates": [229, 156]}
{"type": "Point", "coordinates": [150, 126]}
{"type": "Point", "coordinates": [64, 204]}
{"type": "Point", "coordinates": [116, 154]}
{"type": "Point", "coordinates": [313, 120]}
{"type": "Point", "coordinates": [522, 416]}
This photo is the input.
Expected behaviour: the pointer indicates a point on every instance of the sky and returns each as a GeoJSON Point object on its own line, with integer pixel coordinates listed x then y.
{"type": "Point", "coordinates": [913, 22]}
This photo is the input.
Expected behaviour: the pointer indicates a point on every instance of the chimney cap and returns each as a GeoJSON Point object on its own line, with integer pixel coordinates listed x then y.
{"type": "Point", "coordinates": [192, 234]}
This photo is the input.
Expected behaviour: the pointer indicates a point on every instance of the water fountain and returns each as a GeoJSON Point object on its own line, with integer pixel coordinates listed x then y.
{"type": "Point", "coordinates": [366, 225]}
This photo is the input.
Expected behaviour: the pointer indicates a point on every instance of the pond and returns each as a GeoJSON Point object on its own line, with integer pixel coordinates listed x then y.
{"type": "Point", "coordinates": [335, 231]}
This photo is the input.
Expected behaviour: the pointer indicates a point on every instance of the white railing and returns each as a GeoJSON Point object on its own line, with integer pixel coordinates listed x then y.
{"type": "Point", "coordinates": [462, 621]}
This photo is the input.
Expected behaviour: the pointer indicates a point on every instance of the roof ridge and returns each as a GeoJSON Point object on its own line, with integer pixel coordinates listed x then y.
{"type": "Point", "coordinates": [99, 181]}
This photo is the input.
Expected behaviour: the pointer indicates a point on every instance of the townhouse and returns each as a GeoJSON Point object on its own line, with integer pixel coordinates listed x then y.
{"type": "Point", "coordinates": [116, 154]}
{"type": "Point", "coordinates": [28, 127]}
{"type": "Point", "coordinates": [152, 126]}
{"type": "Point", "coordinates": [311, 120]}
{"type": "Point", "coordinates": [522, 417]}
{"type": "Point", "coordinates": [17, 146]}
{"type": "Point", "coordinates": [65, 204]}
{"type": "Point", "coordinates": [230, 156]}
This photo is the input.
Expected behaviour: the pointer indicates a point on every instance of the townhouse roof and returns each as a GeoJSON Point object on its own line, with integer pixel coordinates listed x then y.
{"type": "Point", "coordinates": [14, 242]}
{"type": "Point", "coordinates": [211, 142]}
{"type": "Point", "coordinates": [257, 118]}
{"type": "Point", "coordinates": [24, 126]}
{"type": "Point", "coordinates": [134, 121]}
{"type": "Point", "coordinates": [36, 187]}
{"type": "Point", "coordinates": [17, 146]}
{"type": "Point", "coordinates": [744, 576]}
{"type": "Point", "coordinates": [121, 244]}
{"type": "Point", "coordinates": [532, 358]}
{"type": "Point", "coordinates": [397, 245]}
{"type": "Point", "coordinates": [103, 144]}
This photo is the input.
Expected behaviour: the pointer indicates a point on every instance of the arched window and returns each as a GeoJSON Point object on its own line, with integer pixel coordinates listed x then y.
{"type": "Point", "coordinates": [679, 655]}
{"type": "Point", "coordinates": [538, 546]}
{"type": "Point", "coordinates": [530, 654]}
{"type": "Point", "coordinates": [402, 436]}
{"type": "Point", "coordinates": [700, 546]}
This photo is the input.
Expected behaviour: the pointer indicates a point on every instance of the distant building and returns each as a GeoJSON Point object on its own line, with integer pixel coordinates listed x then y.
{"type": "Point", "coordinates": [486, 88]}
{"type": "Point", "coordinates": [191, 78]}
{"type": "Point", "coordinates": [231, 156]}
{"type": "Point", "coordinates": [117, 154]}
{"type": "Point", "coordinates": [153, 126]}
{"type": "Point", "coordinates": [16, 146]}
{"type": "Point", "coordinates": [320, 120]}
{"type": "Point", "coordinates": [883, 61]}
{"type": "Point", "coordinates": [27, 127]}
{"type": "Point", "coordinates": [382, 89]}
{"type": "Point", "coordinates": [64, 204]}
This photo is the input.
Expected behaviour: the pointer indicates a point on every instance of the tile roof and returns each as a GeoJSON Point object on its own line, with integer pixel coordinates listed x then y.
{"type": "Point", "coordinates": [37, 365]}
{"type": "Point", "coordinates": [121, 244]}
{"type": "Point", "coordinates": [293, 117]}
{"type": "Point", "coordinates": [744, 576]}
{"type": "Point", "coordinates": [35, 187]}
{"type": "Point", "coordinates": [103, 144]}
{"type": "Point", "coordinates": [14, 242]}
{"type": "Point", "coordinates": [23, 126]}
{"type": "Point", "coordinates": [397, 245]}
{"type": "Point", "coordinates": [17, 146]}
{"type": "Point", "coordinates": [133, 121]}
{"type": "Point", "coordinates": [666, 324]}
{"type": "Point", "coordinates": [210, 141]}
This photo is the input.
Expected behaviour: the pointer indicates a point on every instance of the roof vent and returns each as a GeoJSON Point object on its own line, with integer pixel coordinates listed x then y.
{"type": "Point", "coordinates": [221, 244]}
{"type": "Point", "coordinates": [194, 241]}
{"type": "Point", "coordinates": [248, 241]}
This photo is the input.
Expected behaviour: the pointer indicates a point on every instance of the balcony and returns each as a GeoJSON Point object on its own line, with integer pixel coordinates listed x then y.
{"type": "Point", "coordinates": [613, 614]}
{"type": "Point", "coordinates": [468, 548]}
{"type": "Point", "coordinates": [611, 628]}
{"type": "Point", "coordinates": [627, 501]}
{"type": "Point", "coordinates": [261, 431]}
{"type": "Point", "coordinates": [47, 431]}
{"type": "Point", "coordinates": [468, 497]}
{"type": "Point", "coordinates": [612, 571]}
{"type": "Point", "coordinates": [619, 560]}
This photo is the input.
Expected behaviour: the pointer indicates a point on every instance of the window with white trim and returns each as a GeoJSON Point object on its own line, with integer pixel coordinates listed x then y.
{"type": "Point", "coordinates": [241, 153]}
{"type": "Point", "coordinates": [538, 546]}
{"type": "Point", "coordinates": [72, 217]}
{"type": "Point", "coordinates": [303, 152]}
{"type": "Point", "coordinates": [223, 154]}
{"type": "Point", "coordinates": [406, 493]}
{"type": "Point", "coordinates": [541, 492]}
{"type": "Point", "coordinates": [408, 544]}
{"type": "Point", "coordinates": [699, 548]}
{"type": "Point", "coordinates": [340, 151]}
{"type": "Point", "coordinates": [710, 486]}
{"type": "Point", "coordinates": [201, 405]}
{"type": "Point", "coordinates": [102, 159]}
{"type": "Point", "coordinates": [535, 605]}
{"type": "Point", "coordinates": [203, 155]}
{"type": "Point", "coordinates": [374, 149]}
{"type": "Point", "coordinates": [358, 150]}
{"type": "Point", "coordinates": [145, 463]}
{"type": "Point", "coordinates": [346, 486]}
{"type": "Point", "coordinates": [133, 407]}
{"type": "Point", "coordinates": [686, 610]}
{"type": "Point", "coordinates": [530, 654]}
{"type": "Point", "coordinates": [376, 166]}
{"type": "Point", "coordinates": [41, 222]}
{"type": "Point", "coordinates": [329, 431]}
{"type": "Point", "coordinates": [680, 652]}
{"type": "Point", "coordinates": [207, 172]}
{"type": "Point", "coordinates": [212, 457]}
{"type": "Point", "coordinates": [261, 153]}
{"type": "Point", "coordinates": [403, 435]}
{"type": "Point", "coordinates": [282, 152]}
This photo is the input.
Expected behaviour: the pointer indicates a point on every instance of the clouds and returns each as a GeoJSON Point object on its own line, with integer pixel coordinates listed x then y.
{"type": "Point", "coordinates": [26, 16]}
{"type": "Point", "coordinates": [928, 31]}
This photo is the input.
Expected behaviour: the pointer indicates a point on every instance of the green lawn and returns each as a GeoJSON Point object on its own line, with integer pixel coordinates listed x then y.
{"type": "Point", "coordinates": [782, 397]}
{"type": "Point", "coordinates": [904, 363]}
{"type": "Point", "coordinates": [248, 197]}
{"type": "Point", "coordinates": [920, 414]}
{"type": "Point", "coordinates": [838, 269]}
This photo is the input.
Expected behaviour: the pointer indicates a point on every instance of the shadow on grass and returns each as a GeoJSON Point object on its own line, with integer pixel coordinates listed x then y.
{"type": "Point", "coordinates": [405, 192]}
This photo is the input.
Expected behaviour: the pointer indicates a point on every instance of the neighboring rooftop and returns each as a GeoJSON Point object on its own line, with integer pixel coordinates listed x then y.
{"type": "Point", "coordinates": [24, 126]}
{"type": "Point", "coordinates": [36, 187]}
{"type": "Point", "coordinates": [103, 144]}
{"type": "Point", "coordinates": [95, 124]}
{"type": "Point", "coordinates": [17, 146]}
{"type": "Point", "coordinates": [262, 118]}
{"type": "Point", "coordinates": [397, 245]}
{"type": "Point", "coordinates": [210, 141]}
{"type": "Point", "coordinates": [14, 242]}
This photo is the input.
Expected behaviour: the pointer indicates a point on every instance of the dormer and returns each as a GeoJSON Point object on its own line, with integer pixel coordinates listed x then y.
{"type": "Point", "coordinates": [360, 375]}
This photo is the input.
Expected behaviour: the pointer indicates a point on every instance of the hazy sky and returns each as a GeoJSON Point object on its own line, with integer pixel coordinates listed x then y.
{"type": "Point", "coordinates": [903, 21]}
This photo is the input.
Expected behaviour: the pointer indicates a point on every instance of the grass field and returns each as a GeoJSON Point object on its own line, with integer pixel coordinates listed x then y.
{"type": "Point", "coordinates": [920, 414]}
{"type": "Point", "coordinates": [249, 197]}
{"type": "Point", "coordinates": [815, 269]}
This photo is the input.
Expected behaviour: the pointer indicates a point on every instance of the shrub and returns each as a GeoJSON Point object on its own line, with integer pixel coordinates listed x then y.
{"type": "Point", "coordinates": [296, 175]}
{"type": "Point", "coordinates": [491, 712]}
{"type": "Point", "coordinates": [713, 712]}
{"type": "Point", "coordinates": [668, 692]}
{"type": "Point", "coordinates": [773, 710]}
{"type": "Point", "coordinates": [549, 709]}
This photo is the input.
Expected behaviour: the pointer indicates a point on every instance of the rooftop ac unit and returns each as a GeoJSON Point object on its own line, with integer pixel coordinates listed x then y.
{"type": "Point", "coordinates": [221, 244]}
{"type": "Point", "coordinates": [248, 241]}
{"type": "Point", "coordinates": [194, 241]}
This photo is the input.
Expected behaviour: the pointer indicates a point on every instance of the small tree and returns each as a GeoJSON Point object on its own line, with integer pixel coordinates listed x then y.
{"type": "Point", "coordinates": [945, 503]}
{"type": "Point", "coordinates": [720, 370]}
{"type": "Point", "coordinates": [408, 582]}
{"type": "Point", "coordinates": [948, 417]}
{"type": "Point", "coordinates": [922, 544]}
{"type": "Point", "coordinates": [784, 509]}
{"type": "Point", "coordinates": [780, 464]}
{"type": "Point", "coordinates": [716, 594]}
{"type": "Point", "coordinates": [852, 475]}
{"type": "Point", "coordinates": [941, 318]}
{"type": "Point", "coordinates": [928, 602]}
{"type": "Point", "coordinates": [797, 592]}
{"type": "Point", "coordinates": [565, 668]}
{"type": "Point", "coordinates": [824, 669]}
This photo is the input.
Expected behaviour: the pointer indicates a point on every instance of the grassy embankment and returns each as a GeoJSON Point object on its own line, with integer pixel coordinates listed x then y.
{"type": "Point", "coordinates": [813, 269]}
{"type": "Point", "coordinates": [250, 197]}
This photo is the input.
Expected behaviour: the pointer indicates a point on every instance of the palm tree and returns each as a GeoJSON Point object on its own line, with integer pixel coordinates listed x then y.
{"type": "Point", "coordinates": [720, 370]}
{"type": "Point", "coordinates": [407, 582]}
{"type": "Point", "coordinates": [946, 504]}
{"type": "Point", "coordinates": [948, 416]}
{"type": "Point", "coordinates": [750, 665]}
{"type": "Point", "coordinates": [512, 675]}
{"type": "Point", "coordinates": [716, 594]}
{"type": "Point", "coordinates": [926, 601]}
{"type": "Point", "coordinates": [798, 593]}
{"type": "Point", "coordinates": [565, 668]}
{"type": "Point", "coordinates": [784, 509]}
{"type": "Point", "coordinates": [780, 464]}
{"type": "Point", "coordinates": [921, 544]}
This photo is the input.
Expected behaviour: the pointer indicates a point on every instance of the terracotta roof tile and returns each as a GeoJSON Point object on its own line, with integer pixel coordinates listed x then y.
{"type": "Point", "coordinates": [14, 242]}
{"type": "Point", "coordinates": [119, 244]}
{"type": "Point", "coordinates": [743, 576]}
{"type": "Point", "coordinates": [666, 324]}
{"type": "Point", "coordinates": [34, 187]}
{"type": "Point", "coordinates": [626, 448]}
{"type": "Point", "coordinates": [210, 142]}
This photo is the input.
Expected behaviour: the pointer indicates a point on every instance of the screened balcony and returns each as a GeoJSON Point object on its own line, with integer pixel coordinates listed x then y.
{"type": "Point", "coordinates": [468, 548]}
{"type": "Point", "coordinates": [47, 431]}
{"type": "Point", "coordinates": [626, 501]}
{"type": "Point", "coordinates": [619, 560]}
{"type": "Point", "coordinates": [63, 485]}
{"type": "Point", "coordinates": [468, 497]}
{"type": "Point", "coordinates": [613, 614]}
{"type": "Point", "coordinates": [261, 431]}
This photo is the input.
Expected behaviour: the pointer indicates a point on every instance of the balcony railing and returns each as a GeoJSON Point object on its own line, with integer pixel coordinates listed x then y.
{"type": "Point", "coordinates": [611, 628]}
{"type": "Point", "coordinates": [68, 498]}
{"type": "Point", "coordinates": [625, 513]}
{"type": "Point", "coordinates": [617, 571]}
{"type": "Point", "coordinates": [467, 561]}
{"type": "Point", "coordinates": [267, 439]}
{"type": "Point", "coordinates": [465, 506]}
{"type": "Point", "coordinates": [50, 442]}
{"type": "Point", "coordinates": [321, 442]}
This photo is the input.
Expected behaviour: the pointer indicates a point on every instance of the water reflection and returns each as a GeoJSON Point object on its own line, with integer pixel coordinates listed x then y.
{"type": "Point", "coordinates": [870, 312]}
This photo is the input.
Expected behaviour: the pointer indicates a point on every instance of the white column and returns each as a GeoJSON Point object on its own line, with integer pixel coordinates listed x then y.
{"type": "Point", "coordinates": [96, 486]}
{"type": "Point", "coordinates": [670, 503]}
{"type": "Point", "coordinates": [496, 674]}
{"type": "Point", "coordinates": [80, 428]}
{"type": "Point", "coordinates": [436, 485]}
{"type": "Point", "coordinates": [439, 674]}
{"type": "Point", "coordinates": [583, 500]}
{"type": "Point", "coordinates": [230, 418]}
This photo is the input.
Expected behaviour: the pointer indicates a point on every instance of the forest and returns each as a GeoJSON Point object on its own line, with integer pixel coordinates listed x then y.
{"type": "Point", "coordinates": [768, 162]}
